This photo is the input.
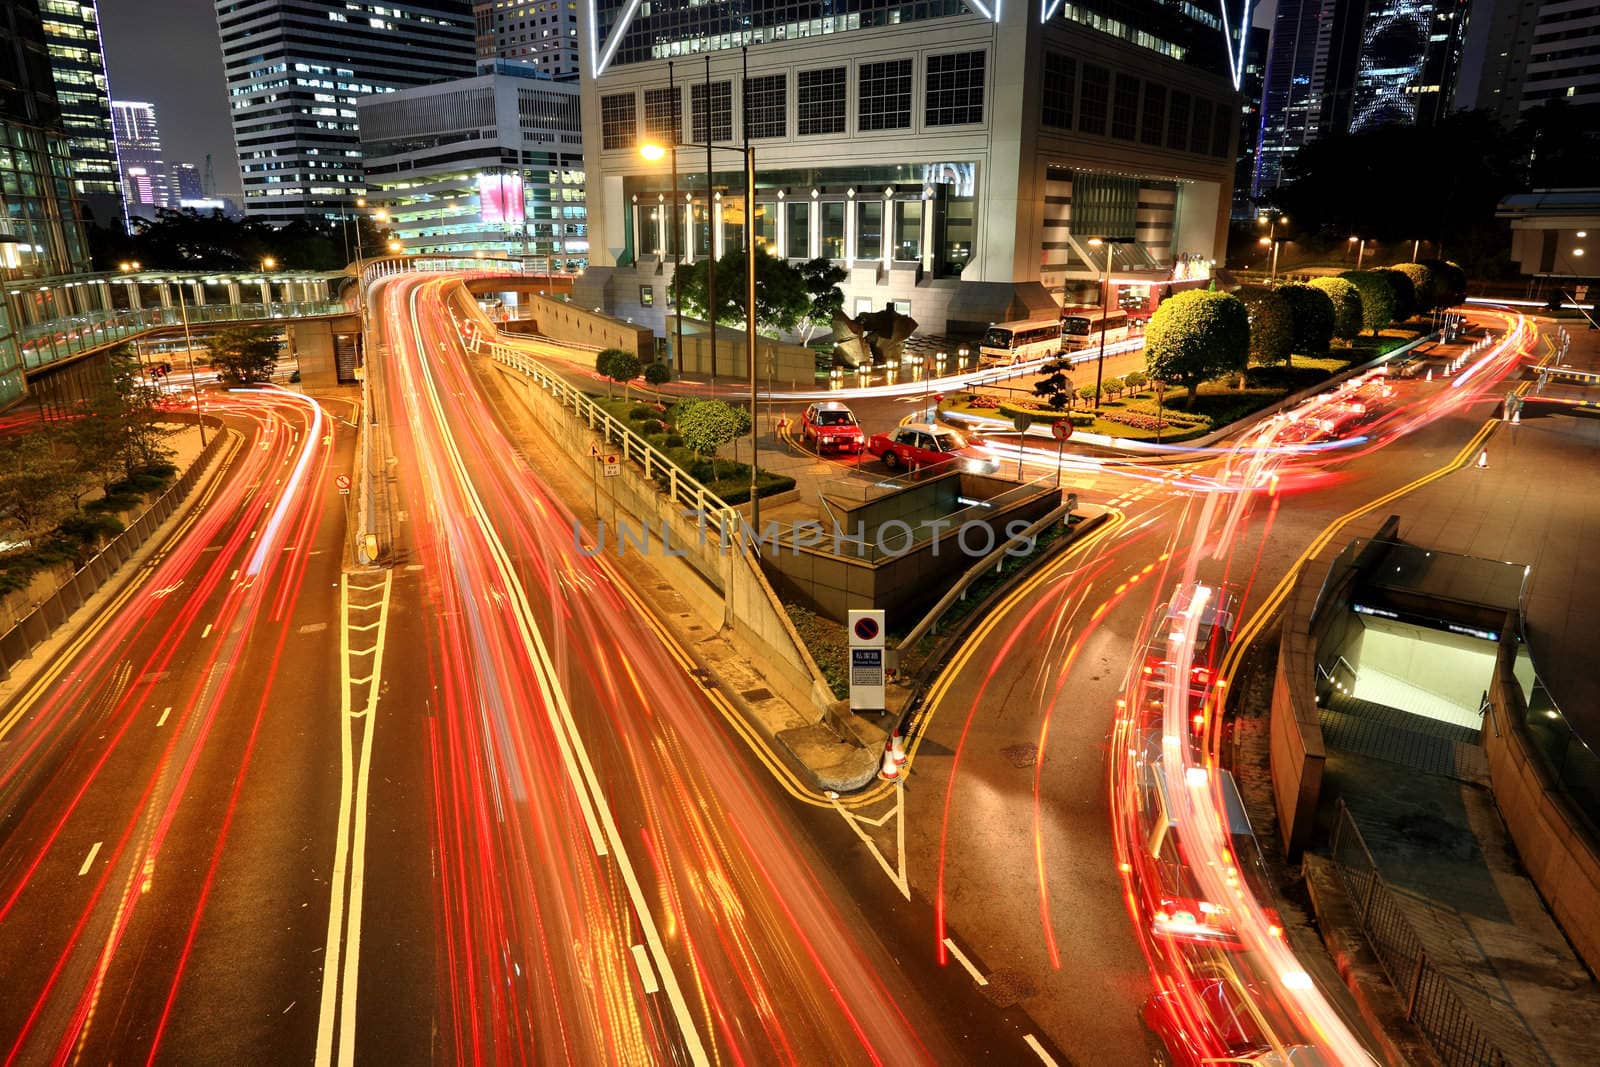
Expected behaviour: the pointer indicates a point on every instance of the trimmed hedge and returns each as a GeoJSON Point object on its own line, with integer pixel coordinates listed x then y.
{"type": "Point", "coordinates": [1377, 298]}
{"type": "Point", "coordinates": [1346, 299]}
{"type": "Point", "coordinates": [1312, 313]}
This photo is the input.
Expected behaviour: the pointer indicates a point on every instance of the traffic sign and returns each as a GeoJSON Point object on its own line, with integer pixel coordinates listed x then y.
{"type": "Point", "coordinates": [866, 629]}
{"type": "Point", "coordinates": [866, 660]}
{"type": "Point", "coordinates": [1061, 429]}
{"type": "Point", "coordinates": [613, 465]}
{"type": "Point", "coordinates": [343, 482]}
{"type": "Point", "coordinates": [594, 449]}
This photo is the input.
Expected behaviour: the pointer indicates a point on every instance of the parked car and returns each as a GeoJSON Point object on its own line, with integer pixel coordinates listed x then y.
{"type": "Point", "coordinates": [830, 425]}
{"type": "Point", "coordinates": [918, 444]}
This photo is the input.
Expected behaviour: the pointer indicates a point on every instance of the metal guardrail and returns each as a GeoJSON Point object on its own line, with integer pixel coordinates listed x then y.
{"type": "Point", "coordinates": [33, 629]}
{"type": "Point", "coordinates": [1430, 997]}
{"type": "Point", "coordinates": [720, 518]}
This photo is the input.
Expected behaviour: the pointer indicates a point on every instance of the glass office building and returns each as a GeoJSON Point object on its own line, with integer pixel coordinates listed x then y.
{"type": "Point", "coordinates": [78, 67]}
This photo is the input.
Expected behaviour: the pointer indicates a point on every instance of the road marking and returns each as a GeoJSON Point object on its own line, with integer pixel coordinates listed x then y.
{"type": "Point", "coordinates": [647, 974]}
{"type": "Point", "coordinates": [88, 860]}
{"type": "Point", "coordinates": [961, 958]}
{"type": "Point", "coordinates": [164, 713]}
{"type": "Point", "coordinates": [206, 632]}
{"type": "Point", "coordinates": [1038, 1050]}
{"type": "Point", "coordinates": [234, 576]}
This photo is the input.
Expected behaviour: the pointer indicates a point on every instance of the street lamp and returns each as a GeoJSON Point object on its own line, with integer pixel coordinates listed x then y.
{"type": "Point", "coordinates": [655, 153]}
{"type": "Point", "coordinates": [1105, 307]}
{"type": "Point", "coordinates": [269, 264]}
{"type": "Point", "coordinates": [394, 245]}
{"type": "Point", "coordinates": [1361, 249]}
{"type": "Point", "coordinates": [1276, 243]}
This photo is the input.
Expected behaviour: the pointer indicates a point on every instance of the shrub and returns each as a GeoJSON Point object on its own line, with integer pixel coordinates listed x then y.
{"type": "Point", "coordinates": [1271, 324]}
{"type": "Point", "coordinates": [642, 411]}
{"type": "Point", "coordinates": [1405, 293]}
{"type": "Point", "coordinates": [673, 441]}
{"type": "Point", "coordinates": [1346, 300]}
{"type": "Point", "coordinates": [1424, 284]}
{"type": "Point", "coordinates": [983, 400]}
{"type": "Point", "coordinates": [1377, 298]}
{"type": "Point", "coordinates": [651, 427]}
{"type": "Point", "coordinates": [90, 530]}
{"type": "Point", "coordinates": [113, 502]}
{"type": "Point", "coordinates": [1449, 279]}
{"type": "Point", "coordinates": [1196, 336]}
{"type": "Point", "coordinates": [1311, 317]}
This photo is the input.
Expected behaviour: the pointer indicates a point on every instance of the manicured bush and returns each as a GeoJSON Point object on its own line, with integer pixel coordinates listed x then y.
{"type": "Point", "coordinates": [1377, 298]}
{"type": "Point", "coordinates": [1450, 281]}
{"type": "Point", "coordinates": [114, 502]}
{"type": "Point", "coordinates": [641, 411]}
{"type": "Point", "coordinates": [650, 427]}
{"type": "Point", "coordinates": [1423, 283]}
{"type": "Point", "coordinates": [1311, 317]}
{"type": "Point", "coordinates": [1196, 336]}
{"type": "Point", "coordinates": [1405, 293]}
{"type": "Point", "coordinates": [674, 441]}
{"type": "Point", "coordinates": [90, 529]}
{"type": "Point", "coordinates": [1346, 300]}
{"type": "Point", "coordinates": [1271, 324]}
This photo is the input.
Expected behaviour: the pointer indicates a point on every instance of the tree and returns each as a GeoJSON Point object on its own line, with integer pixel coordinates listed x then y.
{"type": "Point", "coordinates": [707, 425]}
{"type": "Point", "coordinates": [1424, 283]}
{"type": "Point", "coordinates": [1405, 293]}
{"type": "Point", "coordinates": [1055, 388]}
{"type": "Point", "coordinates": [1135, 380]}
{"type": "Point", "coordinates": [1377, 298]}
{"type": "Point", "coordinates": [1271, 324]}
{"type": "Point", "coordinates": [245, 354]}
{"type": "Point", "coordinates": [782, 298]}
{"type": "Point", "coordinates": [657, 374]}
{"type": "Point", "coordinates": [1196, 336]}
{"type": "Point", "coordinates": [1311, 317]}
{"type": "Point", "coordinates": [33, 483]}
{"type": "Point", "coordinates": [821, 277]}
{"type": "Point", "coordinates": [622, 367]}
{"type": "Point", "coordinates": [1346, 300]}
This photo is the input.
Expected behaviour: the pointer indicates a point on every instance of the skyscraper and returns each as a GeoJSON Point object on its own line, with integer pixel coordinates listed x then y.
{"type": "Point", "coordinates": [1251, 85]}
{"type": "Point", "coordinates": [78, 67]}
{"type": "Point", "coordinates": [185, 181]}
{"type": "Point", "coordinates": [294, 70]}
{"type": "Point", "coordinates": [144, 172]}
{"type": "Point", "coordinates": [1410, 51]}
{"type": "Point", "coordinates": [1564, 60]}
{"type": "Point", "coordinates": [41, 228]}
{"type": "Point", "coordinates": [539, 34]}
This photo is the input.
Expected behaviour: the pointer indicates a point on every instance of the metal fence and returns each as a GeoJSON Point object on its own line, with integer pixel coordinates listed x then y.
{"type": "Point", "coordinates": [36, 627]}
{"type": "Point", "coordinates": [1430, 997]}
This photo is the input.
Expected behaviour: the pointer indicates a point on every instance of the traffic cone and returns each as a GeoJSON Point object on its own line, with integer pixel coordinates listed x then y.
{"type": "Point", "coordinates": [890, 771]}
{"type": "Point", "coordinates": [897, 747]}
{"type": "Point", "coordinates": [1430, 374]}
{"type": "Point", "coordinates": [1483, 459]}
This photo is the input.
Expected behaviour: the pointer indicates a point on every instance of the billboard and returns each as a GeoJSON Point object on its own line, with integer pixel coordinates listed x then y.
{"type": "Point", "coordinates": [500, 198]}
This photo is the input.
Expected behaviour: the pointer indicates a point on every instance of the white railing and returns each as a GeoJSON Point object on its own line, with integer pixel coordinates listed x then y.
{"type": "Point", "coordinates": [681, 489]}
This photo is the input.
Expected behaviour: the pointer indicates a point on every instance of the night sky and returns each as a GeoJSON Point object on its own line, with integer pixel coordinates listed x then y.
{"type": "Point", "coordinates": [167, 52]}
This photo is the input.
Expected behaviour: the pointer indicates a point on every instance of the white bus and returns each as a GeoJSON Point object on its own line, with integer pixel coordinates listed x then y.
{"type": "Point", "coordinates": [1015, 342]}
{"type": "Point", "coordinates": [1081, 329]}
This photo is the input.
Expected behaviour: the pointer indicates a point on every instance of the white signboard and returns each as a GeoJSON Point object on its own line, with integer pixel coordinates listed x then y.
{"type": "Point", "coordinates": [866, 661]}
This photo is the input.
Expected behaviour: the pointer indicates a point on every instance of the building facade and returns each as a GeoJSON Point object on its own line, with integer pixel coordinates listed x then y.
{"type": "Point", "coordinates": [1410, 53]}
{"type": "Point", "coordinates": [954, 160]}
{"type": "Point", "coordinates": [145, 183]}
{"type": "Point", "coordinates": [185, 182]}
{"type": "Point", "coordinates": [41, 222]}
{"type": "Point", "coordinates": [491, 164]}
{"type": "Point", "coordinates": [1564, 58]}
{"type": "Point", "coordinates": [1252, 86]}
{"type": "Point", "coordinates": [1309, 81]}
{"type": "Point", "coordinates": [295, 69]}
{"type": "Point", "coordinates": [540, 35]}
{"type": "Point", "coordinates": [78, 67]}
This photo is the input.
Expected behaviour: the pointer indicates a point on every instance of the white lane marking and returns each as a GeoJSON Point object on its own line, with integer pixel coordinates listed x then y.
{"type": "Point", "coordinates": [206, 632]}
{"type": "Point", "coordinates": [88, 860]}
{"type": "Point", "coordinates": [1038, 1050]}
{"type": "Point", "coordinates": [961, 958]}
{"type": "Point", "coordinates": [647, 974]}
{"type": "Point", "coordinates": [164, 713]}
{"type": "Point", "coordinates": [234, 576]}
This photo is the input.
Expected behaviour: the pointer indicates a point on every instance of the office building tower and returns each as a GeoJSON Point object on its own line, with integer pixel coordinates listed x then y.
{"type": "Point", "coordinates": [294, 71]}
{"type": "Point", "coordinates": [184, 178]}
{"type": "Point", "coordinates": [1494, 57]}
{"type": "Point", "coordinates": [955, 159]}
{"type": "Point", "coordinates": [538, 34]}
{"type": "Point", "coordinates": [1251, 85]}
{"type": "Point", "coordinates": [488, 165]}
{"type": "Point", "coordinates": [1308, 81]}
{"type": "Point", "coordinates": [145, 185]}
{"type": "Point", "coordinates": [1564, 58]}
{"type": "Point", "coordinates": [41, 223]}
{"type": "Point", "coordinates": [78, 68]}
{"type": "Point", "coordinates": [1410, 52]}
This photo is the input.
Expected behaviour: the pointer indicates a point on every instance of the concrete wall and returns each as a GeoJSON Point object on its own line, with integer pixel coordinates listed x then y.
{"type": "Point", "coordinates": [578, 325]}
{"type": "Point", "coordinates": [312, 343]}
{"type": "Point", "coordinates": [777, 362]}
{"type": "Point", "coordinates": [1452, 666]}
{"type": "Point", "coordinates": [1556, 845]}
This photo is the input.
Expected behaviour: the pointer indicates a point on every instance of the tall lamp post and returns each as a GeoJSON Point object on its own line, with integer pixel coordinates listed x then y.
{"type": "Point", "coordinates": [655, 153]}
{"type": "Point", "coordinates": [1109, 243]}
{"type": "Point", "coordinates": [1272, 222]}
{"type": "Point", "coordinates": [194, 382]}
{"type": "Point", "coordinates": [1361, 249]}
{"type": "Point", "coordinates": [1275, 243]}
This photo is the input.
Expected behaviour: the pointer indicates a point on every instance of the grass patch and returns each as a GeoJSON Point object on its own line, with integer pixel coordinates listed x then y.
{"type": "Point", "coordinates": [828, 644]}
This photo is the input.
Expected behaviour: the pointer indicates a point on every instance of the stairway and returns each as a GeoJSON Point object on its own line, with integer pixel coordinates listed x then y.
{"type": "Point", "coordinates": [1367, 728]}
{"type": "Point", "coordinates": [344, 357]}
{"type": "Point", "coordinates": [1396, 692]}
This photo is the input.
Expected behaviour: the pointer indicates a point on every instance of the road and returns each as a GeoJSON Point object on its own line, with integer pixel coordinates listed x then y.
{"type": "Point", "coordinates": [162, 856]}
{"type": "Point", "coordinates": [616, 878]}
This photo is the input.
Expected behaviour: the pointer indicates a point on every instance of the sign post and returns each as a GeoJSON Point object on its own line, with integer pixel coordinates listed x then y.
{"type": "Point", "coordinates": [866, 661]}
{"type": "Point", "coordinates": [343, 482]}
{"type": "Point", "coordinates": [1021, 422]}
{"type": "Point", "coordinates": [1061, 429]}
